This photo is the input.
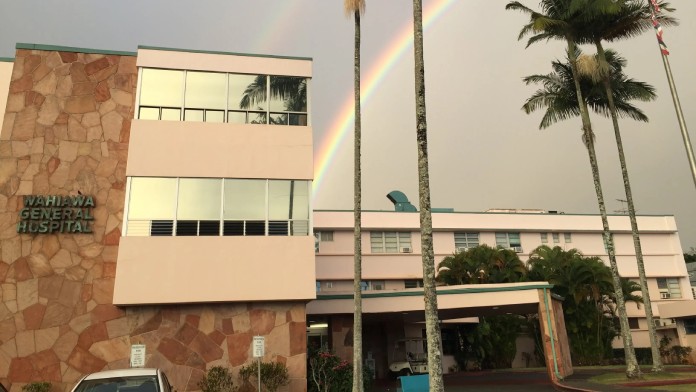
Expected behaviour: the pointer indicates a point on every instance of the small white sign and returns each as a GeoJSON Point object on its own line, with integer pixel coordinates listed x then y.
{"type": "Point", "coordinates": [259, 346]}
{"type": "Point", "coordinates": [137, 357]}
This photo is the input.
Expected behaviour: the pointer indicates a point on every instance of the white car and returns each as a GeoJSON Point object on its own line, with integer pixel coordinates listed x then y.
{"type": "Point", "coordinates": [125, 380]}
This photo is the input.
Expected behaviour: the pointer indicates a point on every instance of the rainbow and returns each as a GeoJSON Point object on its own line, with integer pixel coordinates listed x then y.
{"type": "Point", "coordinates": [343, 122]}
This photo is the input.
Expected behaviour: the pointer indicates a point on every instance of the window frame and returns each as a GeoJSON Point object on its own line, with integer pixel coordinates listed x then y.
{"type": "Point", "coordinates": [267, 112]}
{"type": "Point", "coordinates": [383, 241]}
{"type": "Point", "coordinates": [295, 226]}
{"type": "Point", "coordinates": [464, 239]}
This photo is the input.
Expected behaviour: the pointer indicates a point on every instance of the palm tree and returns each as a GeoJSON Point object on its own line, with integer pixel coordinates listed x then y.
{"type": "Point", "coordinates": [586, 283]}
{"type": "Point", "coordinates": [357, 8]}
{"type": "Point", "coordinates": [432, 325]}
{"type": "Point", "coordinates": [632, 19]}
{"type": "Point", "coordinates": [557, 95]}
{"type": "Point", "coordinates": [561, 20]}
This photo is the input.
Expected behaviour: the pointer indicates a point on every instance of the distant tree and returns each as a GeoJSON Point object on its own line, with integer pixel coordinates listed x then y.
{"type": "Point", "coordinates": [690, 256]}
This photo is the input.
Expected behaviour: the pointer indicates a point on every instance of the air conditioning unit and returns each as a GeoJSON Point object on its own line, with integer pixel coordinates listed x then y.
{"type": "Point", "coordinates": [517, 249]}
{"type": "Point", "coordinates": [462, 249]}
{"type": "Point", "coordinates": [664, 295]}
{"type": "Point", "coordinates": [406, 249]}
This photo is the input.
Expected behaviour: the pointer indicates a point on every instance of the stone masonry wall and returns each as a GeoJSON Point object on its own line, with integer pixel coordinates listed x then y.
{"type": "Point", "coordinates": [66, 130]}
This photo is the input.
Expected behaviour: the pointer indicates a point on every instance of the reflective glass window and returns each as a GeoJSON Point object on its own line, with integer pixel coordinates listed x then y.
{"type": "Point", "coordinates": [245, 199]}
{"type": "Point", "coordinates": [216, 116]}
{"type": "Point", "coordinates": [288, 199]}
{"type": "Point", "coordinates": [193, 115]}
{"type": "Point", "coordinates": [149, 113]}
{"type": "Point", "coordinates": [169, 114]}
{"type": "Point", "coordinates": [247, 92]}
{"type": "Point", "coordinates": [161, 87]}
{"type": "Point", "coordinates": [279, 196]}
{"type": "Point", "coordinates": [152, 198]}
{"type": "Point", "coordinates": [199, 198]}
{"type": "Point", "coordinates": [205, 90]}
{"type": "Point", "coordinates": [288, 94]}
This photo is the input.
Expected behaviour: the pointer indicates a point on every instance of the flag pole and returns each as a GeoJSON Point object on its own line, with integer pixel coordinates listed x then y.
{"type": "Point", "coordinates": [673, 89]}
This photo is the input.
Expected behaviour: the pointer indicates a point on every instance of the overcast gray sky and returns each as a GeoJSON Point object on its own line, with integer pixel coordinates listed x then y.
{"type": "Point", "coordinates": [484, 151]}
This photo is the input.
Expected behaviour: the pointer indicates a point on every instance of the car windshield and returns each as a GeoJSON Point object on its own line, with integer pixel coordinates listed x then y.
{"type": "Point", "coordinates": [120, 384]}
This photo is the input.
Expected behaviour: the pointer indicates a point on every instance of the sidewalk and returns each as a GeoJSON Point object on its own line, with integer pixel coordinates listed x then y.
{"type": "Point", "coordinates": [538, 380]}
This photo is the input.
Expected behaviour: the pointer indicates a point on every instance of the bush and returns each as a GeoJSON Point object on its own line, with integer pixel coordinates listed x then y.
{"type": "Point", "coordinates": [273, 374]}
{"type": "Point", "coordinates": [37, 387]}
{"type": "Point", "coordinates": [217, 379]}
{"type": "Point", "coordinates": [329, 373]}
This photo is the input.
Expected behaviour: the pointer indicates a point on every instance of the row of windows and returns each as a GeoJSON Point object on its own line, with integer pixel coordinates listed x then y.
{"type": "Point", "coordinates": [216, 206]}
{"type": "Point", "coordinates": [400, 241]}
{"type": "Point", "coordinates": [178, 95]}
{"type": "Point", "coordinates": [556, 238]}
{"type": "Point", "coordinates": [365, 285]}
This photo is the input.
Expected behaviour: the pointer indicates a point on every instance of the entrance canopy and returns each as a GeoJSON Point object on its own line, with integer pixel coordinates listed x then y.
{"type": "Point", "coordinates": [453, 302]}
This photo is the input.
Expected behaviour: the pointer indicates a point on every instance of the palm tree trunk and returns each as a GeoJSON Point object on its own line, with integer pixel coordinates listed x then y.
{"type": "Point", "coordinates": [357, 232]}
{"type": "Point", "coordinates": [654, 344]}
{"type": "Point", "coordinates": [632, 368]}
{"type": "Point", "coordinates": [432, 326]}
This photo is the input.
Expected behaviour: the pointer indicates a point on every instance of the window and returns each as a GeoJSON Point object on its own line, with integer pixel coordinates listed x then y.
{"type": "Point", "coordinates": [413, 283]}
{"type": "Point", "coordinates": [372, 285]}
{"type": "Point", "coordinates": [633, 323]}
{"type": "Point", "coordinates": [544, 238]}
{"type": "Point", "coordinates": [556, 238]}
{"type": "Point", "coordinates": [318, 286]}
{"type": "Point", "coordinates": [466, 240]}
{"type": "Point", "coordinates": [668, 288]}
{"type": "Point", "coordinates": [178, 95]}
{"type": "Point", "coordinates": [389, 241]}
{"type": "Point", "coordinates": [508, 240]}
{"type": "Point", "coordinates": [690, 326]}
{"type": "Point", "coordinates": [329, 285]}
{"type": "Point", "coordinates": [214, 207]}
{"type": "Point", "coordinates": [567, 238]}
{"type": "Point", "coordinates": [326, 236]}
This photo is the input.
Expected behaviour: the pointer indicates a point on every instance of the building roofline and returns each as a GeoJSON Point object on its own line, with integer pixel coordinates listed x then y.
{"type": "Point", "coordinates": [496, 213]}
{"type": "Point", "coordinates": [224, 53]}
{"type": "Point", "coordinates": [7, 59]}
{"type": "Point", "coordinates": [58, 48]}
{"type": "Point", "coordinates": [441, 291]}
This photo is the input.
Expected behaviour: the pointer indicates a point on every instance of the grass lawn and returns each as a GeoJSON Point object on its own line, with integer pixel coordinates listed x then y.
{"type": "Point", "coordinates": [620, 378]}
{"type": "Point", "coordinates": [673, 388]}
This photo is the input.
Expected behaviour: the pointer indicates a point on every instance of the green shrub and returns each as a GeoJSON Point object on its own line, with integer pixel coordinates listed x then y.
{"type": "Point", "coordinates": [273, 375]}
{"type": "Point", "coordinates": [329, 373]}
{"type": "Point", "coordinates": [37, 387]}
{"type": "Point", "coordinates": [217, 379]}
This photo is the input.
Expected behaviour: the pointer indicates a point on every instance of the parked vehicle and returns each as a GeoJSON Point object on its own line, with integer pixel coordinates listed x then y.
{"type": "Point", "coordinates": [125, 380]}
{"type": "Point", "coordinates": [409, 357]}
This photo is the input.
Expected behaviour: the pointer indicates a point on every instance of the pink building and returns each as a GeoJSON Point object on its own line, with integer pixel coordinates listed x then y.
{"type": "Point", "coordinates": [163, 198]}
{"type": "Point", "coordinates": [392, 261]}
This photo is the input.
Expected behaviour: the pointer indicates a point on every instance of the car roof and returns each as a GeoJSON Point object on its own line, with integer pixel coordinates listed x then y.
{"type": "Point", "coordinates": [122, 373]}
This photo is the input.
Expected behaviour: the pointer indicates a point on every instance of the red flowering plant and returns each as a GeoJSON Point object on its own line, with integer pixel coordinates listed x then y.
{"type": "Point", "coordinates": [329, 373]}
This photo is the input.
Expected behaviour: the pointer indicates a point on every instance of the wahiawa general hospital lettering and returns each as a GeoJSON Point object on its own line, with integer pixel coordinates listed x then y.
{"type": "Point", "coordinates": [44, 214]}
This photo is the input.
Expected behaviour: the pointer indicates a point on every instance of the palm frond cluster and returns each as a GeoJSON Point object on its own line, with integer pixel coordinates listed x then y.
{"type": "Point", "coordinates": [584, 283]}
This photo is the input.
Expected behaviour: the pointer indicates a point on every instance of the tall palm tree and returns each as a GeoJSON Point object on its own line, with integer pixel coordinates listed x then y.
{"type": "Point", "coordinates": [633, 18]}
{"type": "Point", "coordinates": [560, 19]}
{"type": "Point", "coordinates": [357, 8]}
{"type": "Point", "coordinates": [558, 97]}
{"type": "Point", "coordinates": [432, 325]}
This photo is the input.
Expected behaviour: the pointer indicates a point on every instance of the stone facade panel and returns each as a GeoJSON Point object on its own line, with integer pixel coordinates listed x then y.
{"type": "Point", "coordinates": [66, 130]}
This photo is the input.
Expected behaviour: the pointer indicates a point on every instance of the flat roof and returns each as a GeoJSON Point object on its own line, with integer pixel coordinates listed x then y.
{"type": "Point", "coordinates": [494, 213]}
{"type": "Point", "coordinates": [223, 53]}
{"type": "Point", "coordinates": [58, 48]}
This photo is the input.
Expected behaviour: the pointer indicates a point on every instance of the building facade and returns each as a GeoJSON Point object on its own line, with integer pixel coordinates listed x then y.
{"type": "Point", "coordinates": [163, 198]}
{"type": "Point", "coordinates": [159, 198]}
{"type": "Point", "coordinates": [392, 260]}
